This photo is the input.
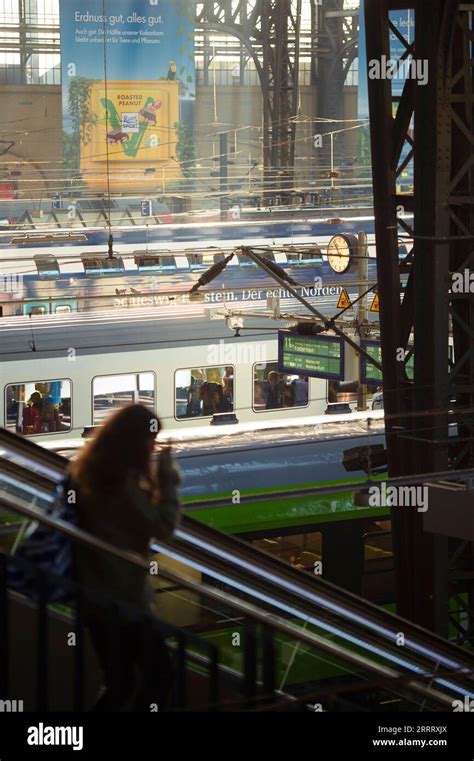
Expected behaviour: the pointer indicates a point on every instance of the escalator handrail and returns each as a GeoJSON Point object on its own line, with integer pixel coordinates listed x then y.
{"type": "Point", "coordinates": [206, 567]}
{"type": "Point", "coordinates": [259, 562]}
{"type": "Point", "coordinates": [334, 595]}
{"type": "Point", "coordinates": [239, 606]}
{"type": "Point", "coordinates": [16, 443]}
{"type": "Point", "coordinates": [386, 647]}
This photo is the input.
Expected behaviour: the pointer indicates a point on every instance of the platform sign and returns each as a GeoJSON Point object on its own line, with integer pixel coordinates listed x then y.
{"type": "Point", "coordinates": [370, 375]}
{"type": "Point", "coordinates": [344, 300]}
{"type": "Point", "coordinates": [313, 356]}
{"type": "Point", "coordinates": [375, 306]}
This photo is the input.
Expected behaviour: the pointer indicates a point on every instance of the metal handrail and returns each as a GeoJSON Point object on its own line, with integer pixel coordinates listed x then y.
{"type": "Point", "coordinates": [131, 557]}
{"type": "Point", "coordinates": [224, 598]}
{"type": "Point", "coordinates": [329, 590]}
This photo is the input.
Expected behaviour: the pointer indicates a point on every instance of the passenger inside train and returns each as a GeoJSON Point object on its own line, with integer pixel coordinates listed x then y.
{"type": "Point", "coordinates": [42, 407]}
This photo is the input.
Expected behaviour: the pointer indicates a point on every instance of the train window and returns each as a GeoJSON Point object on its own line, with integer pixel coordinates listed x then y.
{"type": "Point", "coordinates": [245, 261]}
{"type": "Point", "coordinates": [167, 263]}
{"type": "Point", "coordinates": [195, 261]}
{"type": "Point", "coordinates": [146, 263]}
{"type": "Point", "coordinates": [110, 392]}
{"type": "Point", "coordinates": [38, 407]}
{"type": "Point", "coordinates": [273, 390]}
{"type": "Point", "coordinates": [312, 255]}
{"type": "Point", "coordinates": [303, 551]}
{"type": "Point", "coordinates": [47, 266]}
{"type": "Point", "coordinates": [99, 265]}
{"type": "Point", "coordinates": [201, 392]}
{"type": "Point", "coordinates": [36, 309]}
{"type": "Point", "coordinates": [62, 309]}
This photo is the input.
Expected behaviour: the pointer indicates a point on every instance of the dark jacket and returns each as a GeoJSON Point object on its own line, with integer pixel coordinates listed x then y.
{"type": "Point", "coordinates": [129, 520]}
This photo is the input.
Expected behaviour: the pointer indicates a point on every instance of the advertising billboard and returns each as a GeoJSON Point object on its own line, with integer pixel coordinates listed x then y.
{"type": "Point", "coordinates": [128, 90]}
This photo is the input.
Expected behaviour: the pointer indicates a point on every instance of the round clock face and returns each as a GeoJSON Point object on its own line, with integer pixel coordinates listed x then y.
{"type": "Point", "coordinates": [339, 254]}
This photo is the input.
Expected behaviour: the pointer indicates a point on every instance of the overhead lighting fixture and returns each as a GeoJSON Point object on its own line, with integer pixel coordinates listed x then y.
{"type": "Point", "coordinates": [48, 238]}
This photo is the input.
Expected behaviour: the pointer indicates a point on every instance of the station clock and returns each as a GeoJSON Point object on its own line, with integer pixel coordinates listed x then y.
{"type": "Point", "coordinates": [342, 252]}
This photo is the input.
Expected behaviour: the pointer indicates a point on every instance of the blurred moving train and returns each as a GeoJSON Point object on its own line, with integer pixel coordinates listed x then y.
{"type": "Point", "coordinates": [18, 214]}
{"type": "Point", "coordinates": [55, 272]}
{"type": "Point", "coordinates": [204, 233]}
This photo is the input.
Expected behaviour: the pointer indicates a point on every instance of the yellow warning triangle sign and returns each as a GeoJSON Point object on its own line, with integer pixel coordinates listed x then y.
{"type": "Point", "coordinates": [375, 304]}
{"type": "Point", "coordinates": [344, 300]}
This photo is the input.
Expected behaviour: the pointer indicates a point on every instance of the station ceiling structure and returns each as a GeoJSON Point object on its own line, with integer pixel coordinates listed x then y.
{"type": "Point", "coordinates": [270, 33]}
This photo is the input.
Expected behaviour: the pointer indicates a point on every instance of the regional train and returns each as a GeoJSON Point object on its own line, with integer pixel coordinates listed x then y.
{"type": "Point", "coordinates": [59, 378]}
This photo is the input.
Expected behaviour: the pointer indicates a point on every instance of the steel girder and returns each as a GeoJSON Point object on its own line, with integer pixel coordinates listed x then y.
{"type": "Point", "coordinates": [338, 45]}
{"type": "Point", "coordinates": [418, 413]}
{"type": "Point", "coordinates": [280, 38]}
{"type": "Point", "coordinates": [270, 31]}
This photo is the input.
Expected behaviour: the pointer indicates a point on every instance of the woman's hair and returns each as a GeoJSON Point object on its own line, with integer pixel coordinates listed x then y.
{"type": "Point", "coordinates": [120, 447]}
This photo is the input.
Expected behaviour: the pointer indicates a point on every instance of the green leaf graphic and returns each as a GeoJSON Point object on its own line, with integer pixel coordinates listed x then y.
{"type": "Point", "coordinates": [130, 147]}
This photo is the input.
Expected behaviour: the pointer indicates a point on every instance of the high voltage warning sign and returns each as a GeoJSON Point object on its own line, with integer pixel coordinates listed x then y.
{"type": "Point", "coordinates": [375, 304]}
{"type": "Point", "coordinates": [344, 300]}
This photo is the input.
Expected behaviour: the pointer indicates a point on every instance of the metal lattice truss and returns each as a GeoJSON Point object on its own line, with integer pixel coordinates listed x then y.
{"type": "Point", "coordinates": [337, 50]}
{"type": "Point", "coordinates": [419, 413]}
{"type": "Point", "coordinates": [270, 31]}
{"type": "Point", "coordinates": [272, 35]}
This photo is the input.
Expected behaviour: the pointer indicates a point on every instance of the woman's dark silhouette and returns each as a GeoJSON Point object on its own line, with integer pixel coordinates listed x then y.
{"type": "Point", "coordinates": [121, 500]}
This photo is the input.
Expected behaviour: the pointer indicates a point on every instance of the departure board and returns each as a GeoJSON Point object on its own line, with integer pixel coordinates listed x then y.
{"type": "Point", "coordinates": [313, 356]}
{"type": "Point", "coordinates": [371, 375]}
